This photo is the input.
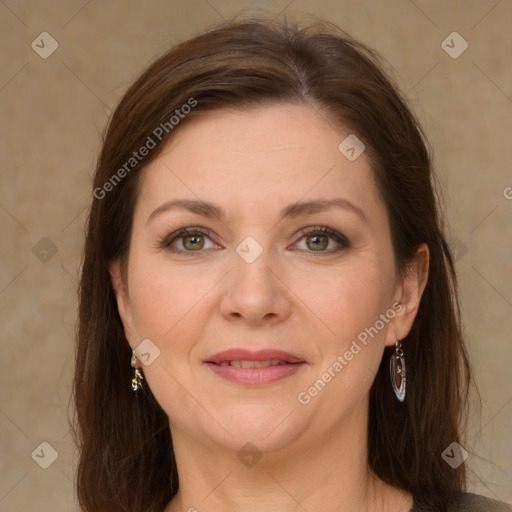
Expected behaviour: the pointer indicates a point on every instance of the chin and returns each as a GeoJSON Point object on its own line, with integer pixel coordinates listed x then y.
{"type": "Point", "coordinates": [267, 431]}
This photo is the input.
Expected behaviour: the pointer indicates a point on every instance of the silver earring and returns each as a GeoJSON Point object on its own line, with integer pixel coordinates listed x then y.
{"type": "Point", "coordinates": [397, 370]}
{"type": "Point", "coordinates": [137, 375]}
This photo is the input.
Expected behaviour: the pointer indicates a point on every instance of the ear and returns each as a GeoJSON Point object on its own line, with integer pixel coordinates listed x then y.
{"type": "Point", "coordinates": [123, 302]}
{"type": "Point", "coordinates": [408, 295]}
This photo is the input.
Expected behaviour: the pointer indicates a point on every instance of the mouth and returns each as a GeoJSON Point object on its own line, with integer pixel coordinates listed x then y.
{"type": "Point", "coordinates": [248, 359]}
{"type": "Point", "coordinates": [255, 364]}
{"type": "Point", "coordinates": [254, 368]}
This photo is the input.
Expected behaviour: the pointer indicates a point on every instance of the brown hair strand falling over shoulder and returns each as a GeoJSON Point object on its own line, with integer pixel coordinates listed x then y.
{"type": "Point", "coordinates": [126, 458]}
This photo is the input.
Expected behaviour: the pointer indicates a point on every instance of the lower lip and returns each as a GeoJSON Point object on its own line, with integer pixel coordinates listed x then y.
{"type": "Point", "coordinates": [255, 376]}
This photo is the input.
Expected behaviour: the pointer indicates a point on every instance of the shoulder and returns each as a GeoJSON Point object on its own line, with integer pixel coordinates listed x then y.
{"type": "Point", "coordinates": [469, 502]}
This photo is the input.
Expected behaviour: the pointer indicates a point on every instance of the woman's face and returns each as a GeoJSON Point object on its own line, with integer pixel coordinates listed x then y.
{"type": "Point", "coordinates": [262, 276]}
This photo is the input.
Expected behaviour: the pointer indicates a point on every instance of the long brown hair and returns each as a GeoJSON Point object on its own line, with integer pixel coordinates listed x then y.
{"type": "Point", "coordinates": [126, 459]}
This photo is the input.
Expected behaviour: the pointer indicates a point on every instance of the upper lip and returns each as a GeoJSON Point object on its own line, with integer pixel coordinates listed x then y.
{"type": "Point", "coordinates": [240, 354]}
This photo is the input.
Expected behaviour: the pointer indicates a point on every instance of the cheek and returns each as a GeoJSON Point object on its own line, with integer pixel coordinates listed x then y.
{"type": "Point", "coordinates": [160, 295]}
{"type": "Point", "coordinates": [167, 308]}
{"type": "Point", "coordinates": [349, 300]}
{"type": "Point", "coordinates": [350, 304]}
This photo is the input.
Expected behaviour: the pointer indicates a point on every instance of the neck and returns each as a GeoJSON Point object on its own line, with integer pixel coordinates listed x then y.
{"type": "Point", "coordinates": [328, 475]}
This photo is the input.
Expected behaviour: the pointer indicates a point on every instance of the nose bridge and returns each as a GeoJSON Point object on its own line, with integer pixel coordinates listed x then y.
{"type": "Point", "coordinates": [250, 250]}
{"type": "Point", "coordinates": [253, 290]}
{"type": "Point", "coordinates": [252, 268]}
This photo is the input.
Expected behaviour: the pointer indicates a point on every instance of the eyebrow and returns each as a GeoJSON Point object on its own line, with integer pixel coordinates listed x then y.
{"type": "Point", "coordinates": [294, 210]}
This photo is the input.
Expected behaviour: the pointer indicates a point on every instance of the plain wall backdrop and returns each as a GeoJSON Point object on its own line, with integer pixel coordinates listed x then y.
{"type": "Point", "coordinates": [54, 109]}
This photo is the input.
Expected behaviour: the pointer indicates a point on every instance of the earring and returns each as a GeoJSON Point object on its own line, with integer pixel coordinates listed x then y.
{"type": "Point", "coordinates": [397, 370]}
{"type": "Point", "coordinates": [137, 375]}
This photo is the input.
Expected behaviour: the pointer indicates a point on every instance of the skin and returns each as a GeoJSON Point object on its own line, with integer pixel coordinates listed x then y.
{"type": "Point", "coordinates": [295, 297]}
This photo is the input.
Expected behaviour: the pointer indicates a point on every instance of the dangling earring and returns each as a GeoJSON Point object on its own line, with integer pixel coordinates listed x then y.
{"type": "Point", "coordinates": [137, 374]}
{"type": "Point", "coordinates": [397, 370]}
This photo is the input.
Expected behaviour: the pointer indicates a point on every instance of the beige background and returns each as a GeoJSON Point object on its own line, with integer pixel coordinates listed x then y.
{"type": "Point", "coordinates": [53, 109]}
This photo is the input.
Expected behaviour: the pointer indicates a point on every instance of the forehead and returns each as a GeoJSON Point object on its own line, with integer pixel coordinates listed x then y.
{"type": "Point", "coordinates": [258, 158]}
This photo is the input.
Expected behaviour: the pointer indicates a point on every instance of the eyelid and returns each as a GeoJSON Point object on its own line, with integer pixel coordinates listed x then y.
{"type": "Point", "coordinates": [185, 231]}
{"type": "Point", "coordinates": [323, 229]}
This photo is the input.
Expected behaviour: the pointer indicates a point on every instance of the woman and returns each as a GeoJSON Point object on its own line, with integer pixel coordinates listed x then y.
{"type": "Point", "coordinates": [268, 305]}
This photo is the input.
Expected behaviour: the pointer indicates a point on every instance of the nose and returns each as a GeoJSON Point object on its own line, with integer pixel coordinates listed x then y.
{"type": "Point", "coordinates": [255, 292]}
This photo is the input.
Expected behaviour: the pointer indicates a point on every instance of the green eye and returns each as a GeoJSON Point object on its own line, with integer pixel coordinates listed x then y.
{"type": "Point", "coordinates": [195, 240]}
{"type": "Point", "coordinates": [190, 240]}
{"type": "Point", "coordinates": [317, 239]}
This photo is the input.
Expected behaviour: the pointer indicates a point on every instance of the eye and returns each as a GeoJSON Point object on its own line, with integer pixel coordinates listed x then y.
{"type": "Point", "coordinates": [187, 241]}
{"type": "Point", "coordinates": [192, 240]}
{"type": "Point", "coordinates": [317, 239]}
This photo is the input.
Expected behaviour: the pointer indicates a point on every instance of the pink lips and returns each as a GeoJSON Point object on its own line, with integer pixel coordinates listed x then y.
{"type": "Point", "coordinates": [289, 365]}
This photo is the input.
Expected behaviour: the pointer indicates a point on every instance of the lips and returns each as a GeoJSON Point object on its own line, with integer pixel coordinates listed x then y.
{"type": "Point", "coordinates": [238, 355]}
{"type": "Point", "coordinates": [261, 368]}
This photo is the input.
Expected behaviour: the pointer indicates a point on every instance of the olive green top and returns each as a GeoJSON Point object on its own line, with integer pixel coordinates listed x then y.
{"type": "Point", "coordinates": [469, 502]}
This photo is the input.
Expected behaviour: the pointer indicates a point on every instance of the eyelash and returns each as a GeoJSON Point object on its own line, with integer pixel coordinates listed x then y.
{"type": "Point", "coordinates": [342, 240]}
